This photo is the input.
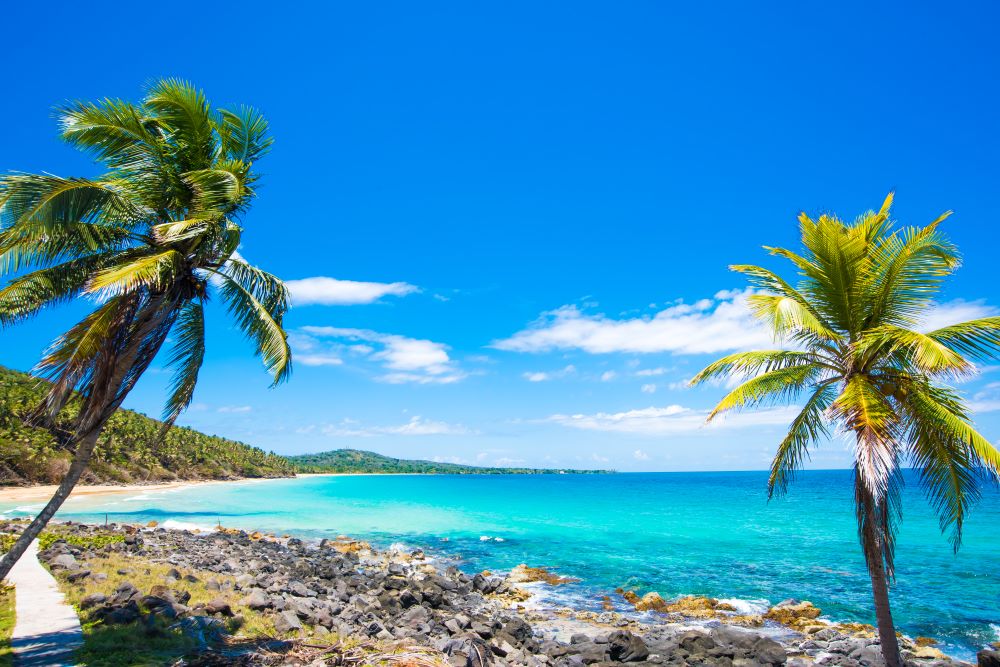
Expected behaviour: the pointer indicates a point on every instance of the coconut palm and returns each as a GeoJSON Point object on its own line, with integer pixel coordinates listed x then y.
{"type": "Point", "coordinates": [145, 244]}
{"type": "Point", "coordinates": [858, 358]}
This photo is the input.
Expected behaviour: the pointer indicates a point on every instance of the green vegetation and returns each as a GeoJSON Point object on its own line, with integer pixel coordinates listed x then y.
{"type": "Point", "coordinates": [130, 448]}
{"type": "Point", "coordinates": [358, 461]}
{"type": "Point", "coordinates": [863, 367]}
{"type": "Point", "coordinates": [146, 244]}
{"type": "Point", "coordinates": [7, 619]}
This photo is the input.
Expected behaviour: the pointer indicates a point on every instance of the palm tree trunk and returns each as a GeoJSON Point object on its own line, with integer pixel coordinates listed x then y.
{"type": "Point", "coordinates": [883, 615]}
{"type": "Point", "coordinates": [112, 386]}
{"type": "Point", "coordinates": [872, 534]}
{"type": "Point", "coordinates": [84, 450]}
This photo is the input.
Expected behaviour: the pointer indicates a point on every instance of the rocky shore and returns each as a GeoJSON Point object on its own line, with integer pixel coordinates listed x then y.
{"type": "Point", "coordinates": [342, 593]}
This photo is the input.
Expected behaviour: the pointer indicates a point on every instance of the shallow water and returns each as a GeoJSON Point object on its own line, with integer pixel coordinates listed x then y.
{"type": "Point", "coordinates": [702, 533]}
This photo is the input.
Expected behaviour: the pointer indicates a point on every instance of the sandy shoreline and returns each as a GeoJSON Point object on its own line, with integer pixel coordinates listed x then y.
{"type": "Point", "coordinates": [18, 494]}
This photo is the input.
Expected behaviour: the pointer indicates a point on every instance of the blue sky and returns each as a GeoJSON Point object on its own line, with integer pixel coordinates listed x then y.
{"type": "Point", "coordinates": [537, 202]}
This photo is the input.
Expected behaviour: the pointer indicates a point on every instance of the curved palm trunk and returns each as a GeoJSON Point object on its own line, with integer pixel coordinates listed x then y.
{"type": "Point", "coordinates": [116, 380]}
{"type": "Point", "coordinates": [84, 451]}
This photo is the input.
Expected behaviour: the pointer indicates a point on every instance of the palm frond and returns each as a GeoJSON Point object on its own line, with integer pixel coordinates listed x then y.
{"type": "Point", "coordinates": [185, 359]}
{"type": "Point", "coordinates": [244, 134]}
{"type": "Point", "coordinates": [751, 363]}
{"type": "Point", "coordinates": [808, 427]}
{"type": "Point", "coordinates": [153, 271]}
{"type": "Point", "coordinates": [258, 310]}
{"type": "Point", "coordinates": [30, 293]}
{"type": "Point", "coordinates": [772, 387]}
{"type": "Point", "coordinates": [867, 413]}
{"type": "Point", "coordinates": [976, 339]}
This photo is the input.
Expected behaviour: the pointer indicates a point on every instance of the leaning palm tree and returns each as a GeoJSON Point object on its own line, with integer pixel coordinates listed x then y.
{"type": "Point", "coordinates": [146, 244]}
{"type": "Point", "coordinates": [858, 358]}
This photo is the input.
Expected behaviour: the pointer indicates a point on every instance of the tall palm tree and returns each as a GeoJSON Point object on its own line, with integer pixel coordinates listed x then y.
{"type": "Point", "coordinates": [859, 360]}
{"type": "Point", "coordinates": [146, 243]}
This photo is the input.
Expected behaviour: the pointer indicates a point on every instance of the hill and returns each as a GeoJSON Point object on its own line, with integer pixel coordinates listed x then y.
{"type": "Point", "coordinates": [359, 461]}
{"type": "Point", "coordinates": [129, 450]}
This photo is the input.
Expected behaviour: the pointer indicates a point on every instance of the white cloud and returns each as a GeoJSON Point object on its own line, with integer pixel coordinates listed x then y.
{"type": "Point", "coordinates": [417, 425]}
{"type": "Point", "coordinates": [650, 372]}
{"type": "Point", "coordinates": [672, 419]}
{"type": "Point", "coordinates": [318, 360]}
{"type": "Point", "coordinates": [607, 376]}
{"type": "Point", "coordinates": [987, 399]}
{"type": "Point", "coordinates": [648, 388]}
{"type": "Point", "coordinates": [507, 462]}
{"type": "Point", "coordinates": [709, 325]}
{"type": "Point", "coordinates": [953, 312]}
{"type": "Point", "coordinates": [332, 292]}
{"type": "Point", "coordinates": [235, 409]}
{"type": "Point", "coordinates": [544, 376]}
{"type": "Point", "coordinates": [640, 455]}
{"type": "Point", "coordinates": [405, 360]}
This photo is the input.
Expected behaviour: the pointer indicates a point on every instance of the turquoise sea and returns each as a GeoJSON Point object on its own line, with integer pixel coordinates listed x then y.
{"type": "Point", "coordinates": [677, 533]}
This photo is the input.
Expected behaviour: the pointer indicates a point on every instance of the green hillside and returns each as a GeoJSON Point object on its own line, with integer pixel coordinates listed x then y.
{"type": "Point", "coordinates": [359, 461]}
{"type": "Point", "coordinates": [129, 450]}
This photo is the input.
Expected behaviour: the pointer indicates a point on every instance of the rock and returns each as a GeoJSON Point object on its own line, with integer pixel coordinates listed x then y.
{"type": "Point", "coordinates": [696, 642]}
{"type": "Point", "coordinates": [651, 602]}
{"type": "Point", "coordinates": [64, 562]}
{"type": "Point", "coordinates": [78, 576]}
{"type": "Point", "coordinates": [623, 646]}
{"type": "Point", "coordinates": [219, 606]}
{"type": "Point", "coordinates": [728, 636]}
{"type": "Point", "coordinates": [769, 652]}
{"type": "Point", "coordinates": [124, 593]}
{"type": "Point", "coordinates": [287, 621]}
{"type": "Point", "coordinates": [524, 574]}
{"type": "Point", "coordinates": [987, 658]}
{"type": "Point", "coordinates": [93, 600]}
{"type": "Point", "coordinates": [871, 656]}
{"type": "Point", "coordinates": [257, 599]}
{"type": "Point", "coordinates": [795, 616]}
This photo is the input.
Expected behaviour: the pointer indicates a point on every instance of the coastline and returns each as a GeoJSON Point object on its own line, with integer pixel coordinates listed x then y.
{"type": "Point", "coordinates": [312, 588]}
{"type": "Point", "coordinates": [38, 492]}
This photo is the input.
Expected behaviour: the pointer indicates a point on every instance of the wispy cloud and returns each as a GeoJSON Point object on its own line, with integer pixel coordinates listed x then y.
{"type": "Point", "coordinates": [648, 388]}
{"type": "Point", "coordinates": [545, 376]}
{"type": "Point", "coordinates": [986, 399]}
{"type": "Point", "coordinates": [953, 312]}
{"type": "Point", "coordinates": [672, 419]}
{"type": "Point", "coordinates": [321, 290]}
{"type": "Point", "coordinates": [350, 428]}
{"type": "Point", "coordinates": [234, 409]}
{"type": "Point", "coordinates": [710, 325]}
{"type": "Point", "coordinates": [402, 359]}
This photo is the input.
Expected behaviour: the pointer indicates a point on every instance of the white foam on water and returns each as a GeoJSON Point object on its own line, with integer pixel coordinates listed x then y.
{"type": "Point", "coordinates": [172, 524]}
{"type": "Point", "coordinates": [490, 538]}
{"type": "Point", "coordinates": [746, 606]}
{"type": "Point", "coordinates": [995, 627]}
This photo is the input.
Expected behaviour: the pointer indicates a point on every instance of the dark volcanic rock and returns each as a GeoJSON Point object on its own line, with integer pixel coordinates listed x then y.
{"type": "Point", "coordinates": [623, 646]}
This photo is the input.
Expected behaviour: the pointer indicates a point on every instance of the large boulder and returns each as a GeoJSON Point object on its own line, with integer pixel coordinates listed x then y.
{"type": "Point", "coordinates": [988, 658]}
{"type": "Point", "coordinates": [623, 646]}
{"type": "Point", "coordinates": [287, 621]}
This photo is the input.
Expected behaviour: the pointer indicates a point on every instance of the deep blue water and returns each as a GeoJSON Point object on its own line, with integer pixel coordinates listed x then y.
{"type": "Point", "coordinates": [692, 533]}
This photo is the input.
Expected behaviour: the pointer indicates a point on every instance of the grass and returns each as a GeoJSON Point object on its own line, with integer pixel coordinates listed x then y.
{"type": "Point", "coordinates": [7, 619]}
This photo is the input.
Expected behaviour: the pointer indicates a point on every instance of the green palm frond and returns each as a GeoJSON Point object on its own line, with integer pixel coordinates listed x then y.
{"type": "Point", "coordinates": [976, 339]}
{"type": "Point", "coordinates": [28, 294]}
{"type": "Point", "coordinates": [155, 271]}
{"type": "Point", "coordinates": [185, 359]}
{"type": "Point", "coordinates": [771, 387]}
{"type": "Point", "coordinates": [926, 353]}
{"type": "Point", "coordinates": [867, 413]}
{"type": "Point", "coordinates": [244, 134]}
{"type": "Point", "coordinates": [808, 428]}
{"type": "Point", "coordinates": [51, 200]}
{"type": "Point", "coordinates": [751, 363]}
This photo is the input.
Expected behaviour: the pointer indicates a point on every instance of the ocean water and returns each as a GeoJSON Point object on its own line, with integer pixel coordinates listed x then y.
{"type": "Point", "coordinates": [676, 533]}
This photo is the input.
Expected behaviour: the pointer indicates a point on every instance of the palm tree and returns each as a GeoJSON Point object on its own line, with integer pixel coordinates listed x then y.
{"type": "Point", "coordinates": [147, 243]}
{"type": "Point", "coordinates": [861, 364]}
